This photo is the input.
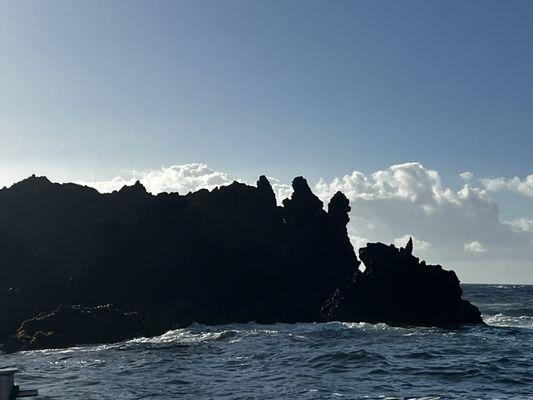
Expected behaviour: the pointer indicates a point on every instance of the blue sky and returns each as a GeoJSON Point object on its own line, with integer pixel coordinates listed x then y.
{"type": "Point", "coordinates": [92, 90]}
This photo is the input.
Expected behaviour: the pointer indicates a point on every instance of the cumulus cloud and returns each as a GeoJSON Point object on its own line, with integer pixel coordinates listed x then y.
{"type": "Point", "coordinates": [522, 186]}
{"type": "Point", "coordinates": [109, 185]}
{"type": "Point", "coordinates": [467, 175]}
{"type": "Point", "coordinates": [177, 178]}
{"type": "Point", "coordinates": [409, 182]}
{"type": "Point", "coordinates": [410, 199]}
{"type": "Point", "coordinates": [521, 225]}
{"type": "Point", "coordinates": [358, 241]}
{"type": "Point", "coordinates": [474, 247]}
{"type": "Point", "coordinates": [282, 190]}
{"type": "Point", "coordinates": [418, 245]}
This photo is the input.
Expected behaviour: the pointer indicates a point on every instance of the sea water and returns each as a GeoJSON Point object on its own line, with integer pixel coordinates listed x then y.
{"type": "Point", "coordinates": [305, 361]}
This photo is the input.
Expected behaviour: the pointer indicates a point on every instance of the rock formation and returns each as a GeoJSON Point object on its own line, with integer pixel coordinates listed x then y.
{"type": "Point", "coordinates": [226, 255]}
{"type": "Point", "coordinates": [68, 326]}
{"type": "Point", "coordinates": [398, 289]}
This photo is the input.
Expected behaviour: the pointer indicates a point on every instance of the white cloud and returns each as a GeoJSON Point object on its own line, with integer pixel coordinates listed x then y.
{"type": "Point", "coordinates": [418, 245]}
{"type": "Point", "coordinates": [521, 224]}
{"type": "Point", "coordinates": [358, 242]}
{"type": "Point", "coordinates": [109, 185]}
{"type": "Point", "coordinates": [408, 198]}
{"type": "Point", "coordinates": [282, 190]}
{"type": "Point", "coordinates": [467, 175]}
{"type": "Point", "coordinates": [522, 186]}
{"type": "Point", "coordinates": [410, 181]}
{"type": "Point", "coordinates": [474, 247]}
{"type": "Point", "coordinates": [177, 178]}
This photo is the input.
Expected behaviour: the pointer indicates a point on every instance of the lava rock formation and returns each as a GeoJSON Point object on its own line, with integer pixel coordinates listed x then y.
{"type": "Point", "coordinates": [68, 326]}
{"type": "Point", "coordinates": [226, 255]}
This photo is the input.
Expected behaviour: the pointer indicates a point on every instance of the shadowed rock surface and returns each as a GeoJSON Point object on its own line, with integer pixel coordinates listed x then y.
{"type": "Point", "coordinates": [398, 289]}
{"type": "Point", "coordinates": [28, 283]}
{"type": "Point", "coordinates": [227, 255]}
{"type": "Point", "coordinates": [68, 326]}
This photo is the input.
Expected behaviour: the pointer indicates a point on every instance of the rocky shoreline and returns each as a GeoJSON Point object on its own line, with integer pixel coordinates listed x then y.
{"type": "Point", "coordinates": [78, 267]}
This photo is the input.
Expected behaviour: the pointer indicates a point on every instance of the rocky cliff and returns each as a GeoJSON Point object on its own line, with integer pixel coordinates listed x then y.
{"type": "Point", "coordinates": [227, 255]}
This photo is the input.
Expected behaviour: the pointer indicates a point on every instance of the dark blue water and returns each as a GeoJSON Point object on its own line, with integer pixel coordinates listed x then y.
{"type": "Point", "coordinates": [305, 361]}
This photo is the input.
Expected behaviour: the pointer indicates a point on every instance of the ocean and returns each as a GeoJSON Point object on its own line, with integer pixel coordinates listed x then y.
{"type": "Point", "coordinates": [304, 361]}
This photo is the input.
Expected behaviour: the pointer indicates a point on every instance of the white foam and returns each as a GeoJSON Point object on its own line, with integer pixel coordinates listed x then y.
{"type": "Point", "coordinates": [523, 321]}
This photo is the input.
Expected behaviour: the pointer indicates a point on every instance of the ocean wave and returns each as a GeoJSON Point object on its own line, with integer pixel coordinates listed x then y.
{"type": "Point", "coordinates": [510, 286]}
{"type": "Point", "coordinates": [199, 333]}
{"type": "Point", "coordinates": [522, 321]}
{"type": "Point", "coordinates": [235, 333]}
{"type": "Point", "coordinates": [184, 336]}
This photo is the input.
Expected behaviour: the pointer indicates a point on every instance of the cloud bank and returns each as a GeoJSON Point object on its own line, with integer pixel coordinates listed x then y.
{"type": "Point", "coordinates": [448, 226]}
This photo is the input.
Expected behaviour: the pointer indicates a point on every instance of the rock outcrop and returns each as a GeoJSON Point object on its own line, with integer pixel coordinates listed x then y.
{"type": "Point", "coordinates": [398, 289]}
{"type": "Point", "coordinates": [68, 326]}
{"type": "Point", "coordinates": [28, 283]}
{"type": "Point", "coordinates": [229, 255]}
{"type": "Point", "coordinates": [226, 255]}
{"type": "Point", "coordinates": [58, 220]}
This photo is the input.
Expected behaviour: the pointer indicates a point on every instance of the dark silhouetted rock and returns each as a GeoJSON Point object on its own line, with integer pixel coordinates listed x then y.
{"type": "Point", "coordinates": [46, 230]}
{"type": "Point", "coordinates": [229, 255]}
{"type": "Point", "coordinates": [409, 246]}
{"type": "Point", "coordinates": [303, 206]}
{"type": "Point", "coordinates": [59, 219]}
{"type": "Point", "coordinates": [338, 209]}
{"type": "Point", "coordinates": [226, 255]}
{"type": "Point", "coordinates": [28, 284]}
{"type": "Point", "coordinates": [67, 326]}
{"type": "Point", "coordinates": [398, 289]}
{"type": "Point", "coordinates": [264, 187]}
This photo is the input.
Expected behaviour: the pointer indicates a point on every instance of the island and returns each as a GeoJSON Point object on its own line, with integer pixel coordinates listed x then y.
{"type": "Point", "coordinates": [78, 266]}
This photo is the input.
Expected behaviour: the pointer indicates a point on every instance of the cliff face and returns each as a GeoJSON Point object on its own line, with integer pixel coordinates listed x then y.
{"type": "Point", "coordinates": [58, 220]}
{"type": "Point", "coordinates": [45, 230]}
{"type": "Point", "coordinates": [226, 255]}
{"type": "Point", "coordinates": [23, 275]}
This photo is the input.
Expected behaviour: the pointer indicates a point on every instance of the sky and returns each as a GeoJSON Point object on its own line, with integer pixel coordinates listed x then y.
{"type": "Point", "coordinates": [420, 111]}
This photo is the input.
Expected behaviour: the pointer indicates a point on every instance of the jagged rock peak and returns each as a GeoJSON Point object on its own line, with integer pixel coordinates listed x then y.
{"type": "Point", "coordinates": [33, 181]}
{"type": "Point", "coordinates": [263, 183]}
{"type": "Point", "coordinates": [265, 188]}
{"type": "Point", "coordinates": [136, 187]}
{"type": "Point", "coordinates": [303, 204]}
{"type": "Point", "coordinates": [339, 204]}
{"type": "Point", "coordinates": [299, 184]}
{"type": "Point", "coordinates": [302, 192]}
{"type": "Point", "coordinates": [338, 209]}
{"type": "Point", "coordinates": [409, 246]}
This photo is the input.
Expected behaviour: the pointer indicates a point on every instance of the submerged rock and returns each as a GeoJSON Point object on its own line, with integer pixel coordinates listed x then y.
{"type": "Point", "coordinates": [67, 326]}
{"type": "Point", "coordinates": [398, 289]}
